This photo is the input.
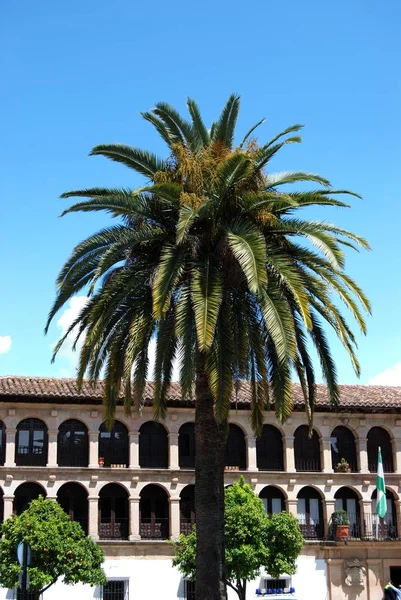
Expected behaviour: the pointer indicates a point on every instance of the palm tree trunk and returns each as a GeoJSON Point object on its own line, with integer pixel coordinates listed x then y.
{"type": "Point", "coordinates": [209, 492]}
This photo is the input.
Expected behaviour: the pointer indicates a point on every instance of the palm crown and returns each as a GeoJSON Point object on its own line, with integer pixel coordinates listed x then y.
{"type": "Point", "coordinates": [212, 259]}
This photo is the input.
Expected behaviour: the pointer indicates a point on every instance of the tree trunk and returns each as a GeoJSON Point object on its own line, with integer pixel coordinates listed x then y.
{"type": "Point", "coordinates": [209, 492]}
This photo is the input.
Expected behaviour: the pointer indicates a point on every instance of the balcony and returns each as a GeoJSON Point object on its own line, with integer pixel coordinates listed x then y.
{"type": "Point", "coordinates": [113, 529]}
{"type": "Point", "coordinates": [367, 528]}
{"type": "Point", "coordinates": [154, 529]}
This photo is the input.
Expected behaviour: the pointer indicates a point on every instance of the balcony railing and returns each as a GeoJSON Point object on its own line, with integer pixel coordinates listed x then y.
{"type": "Point", "coordinates": [311, 531]}
{"type": "Point", "coordinates": [368, 527]}
{"type": "Point", "coordinates": [186, 526]}
{"type": "Point", "coordinates": [154, 529]}
{"type": "Point", "coordinates": [113, 529]}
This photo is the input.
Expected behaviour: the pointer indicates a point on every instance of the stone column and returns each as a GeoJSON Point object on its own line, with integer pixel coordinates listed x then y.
{"type": "Point", "coordinates": [174, 517]}
{"type": "Point", "coordinates": [52, 452]}
{"type": "Point", "coordinates": [289, 453]}
{"type": "Point", "coordinates": [8, 506]}
{"type": "Point", "coordinates": [134, 525]}
{"type": "Point", "coordinates": [362, 453]}
{"type": "Point", "coordinates": [396, 447]}
{"type": "Point", "coordinates": [328, 513]}
{"type": "Point", "coordinates": [134, 450]}
{"type": "Point", "coordinates": [375, 578]}
{"type": "Point", "coordinates": [173, 451]}
{"type": "Point", "coordinates": [93, 529]}
{"type": "Point", "coordinates": [326, 455]}
{"type": "Point", "coordinates": [398, 516]}
{"type": "Point", "coordinates": [252, 458]}
{"type": "Point", "coordinates": [292, 506]}
{"type": "Point", "coordinates": [93, 449]}
{"type": "Point", "coordinates": [10, 447]}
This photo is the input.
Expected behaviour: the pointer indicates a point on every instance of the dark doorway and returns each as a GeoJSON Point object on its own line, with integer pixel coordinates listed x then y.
{"type": "Point", "coordinates": [73, 499]}
{"type": "Point", "coordinates": [395, 576]}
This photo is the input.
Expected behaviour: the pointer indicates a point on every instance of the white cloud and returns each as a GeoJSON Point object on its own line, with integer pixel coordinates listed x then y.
{"type": "Point", "coordinates": [391, 376]}
{"type": "Point", "coordinates": [66, 319]}
{"type": "Point", "coordinates": [5, 344]}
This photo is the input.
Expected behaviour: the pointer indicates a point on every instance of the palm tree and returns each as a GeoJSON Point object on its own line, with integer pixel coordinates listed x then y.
{"type": "Point", "coordinates": [212, 259]}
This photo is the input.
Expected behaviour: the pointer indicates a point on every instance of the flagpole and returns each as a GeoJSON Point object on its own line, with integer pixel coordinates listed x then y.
{"type": "Point", "coordinates": [381, 501]}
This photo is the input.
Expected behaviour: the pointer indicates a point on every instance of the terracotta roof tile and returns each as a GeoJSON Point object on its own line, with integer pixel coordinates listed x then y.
{"type": "Point", "coordinates": [355, 398]}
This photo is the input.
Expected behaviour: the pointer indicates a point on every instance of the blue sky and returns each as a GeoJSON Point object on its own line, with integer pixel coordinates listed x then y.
{"type": "Point", "coordinates": [76, 74]}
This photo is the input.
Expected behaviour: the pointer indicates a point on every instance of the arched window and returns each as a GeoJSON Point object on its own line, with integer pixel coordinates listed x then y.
{"type": "Point", "coordinates": [73, 499]}
{"type": "Point", "coordinates": [2, 443]}
{"type": "Point", "coordinates": [347, 499]}
{"type": "Point", "coordinates": [113, 512]}
{"type": "Point", "coordinates": [379, 438]}
{"type": "Point", "coordinates": [72, 444]}
{"type": "Point", "coordinates": [269, 449]}
{"type": "Point", "coordinates": [235, 455]}
{"type": "Point", "coordinates": [186, 446]}
{"type": "Point", "coordinates": [307, 450]}
{"type": "Point", "coordinates": [343, 446]}
{"type": "Point", "coordinates": [273, 500]}
{"type": "Point", "coordinates": [187, 509]}
{"type": "Point", "coordinates": [310, 513]}
{"type": "Point", "coordinates": [113, 445]}
{"type": "Point", "coordinates": [153, 446]}
{"type": "Point", "coordinates": [31, 444]}
{"type": "Point", "coordinates": [383, 528]}
{"type": "Point", "coordinates": [24, 494]}
{"type": "Point", "coordinates": [154, 517]}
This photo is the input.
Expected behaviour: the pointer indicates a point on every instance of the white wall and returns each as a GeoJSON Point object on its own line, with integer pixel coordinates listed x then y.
{"type": "Point", "coordinates": [153, 579]}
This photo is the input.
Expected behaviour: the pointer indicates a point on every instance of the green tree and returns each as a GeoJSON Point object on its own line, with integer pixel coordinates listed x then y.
{"type": "Point", "coordinates": [252, 540]}
{"type": "Point", "coordinates": [213, 259]}
{"type": "Point", "coordinates": [59, 549]}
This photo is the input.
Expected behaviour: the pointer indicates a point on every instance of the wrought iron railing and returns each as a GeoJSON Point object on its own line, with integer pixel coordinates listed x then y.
{"type": "Point", "coordinates": [186, 525]}
{"type": "Point", "coordinates": [311, 531]}
{"type": "Point", "coordinates": [113, 529]}
{"type": "Point", "coordinates": [154, 529]}
{"type": "Point", "coordinates": [367, 527]}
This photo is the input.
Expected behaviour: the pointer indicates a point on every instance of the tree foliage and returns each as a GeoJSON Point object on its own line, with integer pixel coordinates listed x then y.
{"type": "Point", "coordinates": [59, 548]}
{"type": "Point", "coordinates": [212, 255]}
{"type": "Point", "coordinates": [253, 540]}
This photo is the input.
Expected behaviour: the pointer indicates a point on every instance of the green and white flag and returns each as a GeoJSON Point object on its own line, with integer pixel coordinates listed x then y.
{"type": "Point", "coordinates": [381, 505]}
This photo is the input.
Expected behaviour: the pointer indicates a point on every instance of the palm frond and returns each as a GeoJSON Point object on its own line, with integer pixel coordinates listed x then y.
{"type": "Point", "coordinates": [141, 161]}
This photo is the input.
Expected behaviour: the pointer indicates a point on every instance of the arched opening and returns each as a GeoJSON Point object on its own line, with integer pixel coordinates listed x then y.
{"type": "Point", "coordinates": [154, 513]}
{"type": "Point", "coordinates": [187, 509]}
{"type": "Point", "coordinates": [383, 528]}
{"type": "Point", "coordinates": [273, 500]}
{"type": "Point", "coordinates": [347, 499]}
{"type": "Point", "coordinates": [153, 446]}
{"type": "Point", "coordinates": [113, 512]}
{"type": "Point", "coordinates": [31, 443]}
{"type": "Point", "coordinates": [72, 444]}
{"type": "Point", "coordinates": [307, 450]}
{"type": "Point", "coordinates": [114, 445]}
{"type": "Point", "coordinates": [24, 494]}
{"type": "Point", "coordinates": [235, 453]}
{"type": "Point", "coordinates": [310, 513]}
{"type": "Point", "coordinates": [73, 499]}
{"type": "Point", "coordinates": [343, 447]}
{"type": "Point", "coordinates": [2, 443]}
{"type": "Point", "coordinates": [269, 449]}
{"type": "Point", "coordinates": [379, 438]}
{"type": "Point", "coordinates": [186, 446]}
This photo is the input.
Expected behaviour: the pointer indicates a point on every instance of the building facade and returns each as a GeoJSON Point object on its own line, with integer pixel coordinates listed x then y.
{"type": "Point", "coordinates": [133, 488]}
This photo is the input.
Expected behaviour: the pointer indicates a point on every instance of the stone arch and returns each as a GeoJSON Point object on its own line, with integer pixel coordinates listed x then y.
{"type": "Point", "coordinates": [153, 446]}
{"type": "Point", "coordinates": [25, 493]}
{"type": "Point", "coordinates": [154, 512]}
